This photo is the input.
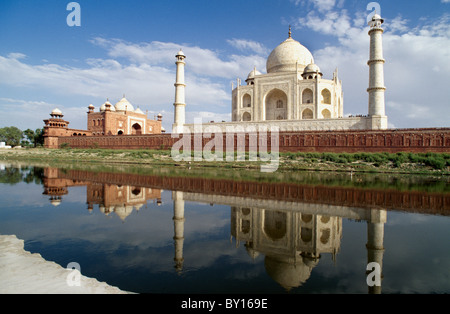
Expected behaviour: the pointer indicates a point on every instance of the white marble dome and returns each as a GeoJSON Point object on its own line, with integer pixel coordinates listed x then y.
{"type": "Point", "coordinates": [284, 58]}
{"type": "Point", "coordinates": [124, 105]}
{"type": "Point", "coordinates": [312, 68]}
{"type": "Point", "coordinates": [252, 74]}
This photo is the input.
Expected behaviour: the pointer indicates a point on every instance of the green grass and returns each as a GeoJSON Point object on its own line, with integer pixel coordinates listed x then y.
{"type": "Point", "coordinates": [357, 162]}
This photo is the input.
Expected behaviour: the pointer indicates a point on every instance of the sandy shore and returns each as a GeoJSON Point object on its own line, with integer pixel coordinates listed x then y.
{"type": "Point", "coordinates": [22, 272]}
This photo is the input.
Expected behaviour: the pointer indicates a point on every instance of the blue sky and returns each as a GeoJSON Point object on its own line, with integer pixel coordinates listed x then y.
{"type": "Point", "coordinates": [129, 47]}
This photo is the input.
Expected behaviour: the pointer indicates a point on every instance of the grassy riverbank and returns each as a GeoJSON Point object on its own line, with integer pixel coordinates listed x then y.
{"type": "Point", "coordinates": [360, 162]}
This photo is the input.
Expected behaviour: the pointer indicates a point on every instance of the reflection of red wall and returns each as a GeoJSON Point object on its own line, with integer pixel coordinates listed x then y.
{"type": "Point", "coordinates": [421, 202]}
{"type": "Point", "coordinates": [393, 141]}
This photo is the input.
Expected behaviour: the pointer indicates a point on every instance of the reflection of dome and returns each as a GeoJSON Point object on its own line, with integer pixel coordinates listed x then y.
{"type": "Point", "coordinates": [287, 273]}
{"type": "Point", "coordinates": [123, 211]}
{"type": "Point", "coordinates": [55, 202]}
{"type": "Point", "coordinates": [285, 57]}
{"type": "Point", "coordinates": [124, 105]}
{"type": "Point", "coordinates": [251, 251]}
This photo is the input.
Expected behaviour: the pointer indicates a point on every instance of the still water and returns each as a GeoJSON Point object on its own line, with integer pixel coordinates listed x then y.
{"type": "Point", "coordinates": [184, 231]}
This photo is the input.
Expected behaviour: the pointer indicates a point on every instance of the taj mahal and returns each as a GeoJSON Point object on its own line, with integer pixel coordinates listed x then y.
{"type": "Point", "coordinates": [293, 99]}
{"type": "Point", "coordinates": [294, 95]}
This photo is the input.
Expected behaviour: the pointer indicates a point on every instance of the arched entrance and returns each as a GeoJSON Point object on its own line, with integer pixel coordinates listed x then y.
{"type": "Point", "coordinates": [276, 105]}
{"type": "Point", "coordinates": [136, 129]}
{"type": "Point", "coordinates": [326, 97]}
{"type": "Point", "coordinates": [326, 114]}
{"type": "Point", "coordinates": [246, 116]}
{"type": "Point", "coordinates": [307, 114]}
{"type": "Point", "coordinates": [307, 96]}
{"type": "Point", "coordinates": [275, 224]}
{"type": "Point", "coordinates": [246, 101]}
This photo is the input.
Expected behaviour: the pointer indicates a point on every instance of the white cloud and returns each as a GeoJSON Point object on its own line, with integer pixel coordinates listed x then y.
{"type": "Point", "coordinates": [22, 113]}
{"type": "Point", "coordinates": [145, 72]}
{"type": "Point", "coordinates": [243, 45]}
{"type": "Point", "coordinates": [200, 61]}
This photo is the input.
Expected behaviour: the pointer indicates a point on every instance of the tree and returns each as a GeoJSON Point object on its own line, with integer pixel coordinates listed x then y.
{"type": "Point", "coordinates": [29, 135]}
{"type": "Point", "coordinates": [34, 137]}
{"type": "Point", "coordinates": [11, 135]}
{"type": "Point", "coordinates": [39, 137]}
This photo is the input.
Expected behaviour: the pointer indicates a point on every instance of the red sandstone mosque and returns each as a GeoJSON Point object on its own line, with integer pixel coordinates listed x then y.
{"type": "Point", "coordinates": [109, 120]}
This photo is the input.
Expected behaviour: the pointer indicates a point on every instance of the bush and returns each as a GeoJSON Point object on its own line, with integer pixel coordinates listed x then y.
{"type": "Point", "coordinates": [342, 160]}
{"type": "Point", "coordinates": [313, 155]}
{"type": "Point", "coordinates": [348, 157]}
{"type": "Point", "coordinates": [436, 163]}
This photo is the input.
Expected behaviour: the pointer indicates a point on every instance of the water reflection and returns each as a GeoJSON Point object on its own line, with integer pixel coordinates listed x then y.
{"type": "Point", "coordinates": [111, 198]}
{"type": "Point", "coordinates": [291, 235]}
{"type": "Point", "coordinates": [290, 225]}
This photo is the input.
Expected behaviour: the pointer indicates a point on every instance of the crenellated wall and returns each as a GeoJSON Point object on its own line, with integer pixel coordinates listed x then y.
{"type": "Point", "coordinates": [393, 141]}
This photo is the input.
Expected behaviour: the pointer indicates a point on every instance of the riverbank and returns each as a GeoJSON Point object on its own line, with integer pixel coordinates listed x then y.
{"type": "Point", "coordinates": [22, 272]}
{"type": "Point", "coordinates": [409, 163]}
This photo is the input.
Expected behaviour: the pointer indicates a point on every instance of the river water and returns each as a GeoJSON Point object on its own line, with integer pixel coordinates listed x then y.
{"type": "Point", "coordinates": [183, 231]}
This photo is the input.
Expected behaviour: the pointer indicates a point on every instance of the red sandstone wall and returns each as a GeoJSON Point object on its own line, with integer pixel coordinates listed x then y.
{"type": "Point", "coordinates": [393, 141]}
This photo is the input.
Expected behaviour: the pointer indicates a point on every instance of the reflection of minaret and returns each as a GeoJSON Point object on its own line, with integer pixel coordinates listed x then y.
{"type": "Point", "coordinates": [178, 222]}
{"type": "Point", "coordinates": [375, 249]}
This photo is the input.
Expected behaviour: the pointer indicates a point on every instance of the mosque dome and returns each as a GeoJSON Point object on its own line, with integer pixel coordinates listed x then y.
{"type": "Point", "coordinates": [138, 110]}
{"type": "Point", "coordinates": [284, 58]}
{"type": "Point", "coordinates": [103, 107]}
{"type": "Point", "coordinates": [56, 112]}
{"type": "Point", "coordinates": [124, 105]}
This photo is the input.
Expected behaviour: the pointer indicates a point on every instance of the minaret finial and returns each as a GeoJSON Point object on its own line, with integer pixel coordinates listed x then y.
{"type": "Point", "coordinates": [290, 33]}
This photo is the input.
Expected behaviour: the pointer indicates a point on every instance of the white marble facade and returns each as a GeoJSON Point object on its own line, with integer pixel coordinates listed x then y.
{"type": "Point", "coordinates": [294, 96]}
{"type": "Point", "coordinates": [292, 89]}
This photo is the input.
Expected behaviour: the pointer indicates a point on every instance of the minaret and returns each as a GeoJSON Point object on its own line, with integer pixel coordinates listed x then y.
{"type": "Point", "coordinates": [180, 103]}
{"type": "Point", "coordinates": [376, 62]}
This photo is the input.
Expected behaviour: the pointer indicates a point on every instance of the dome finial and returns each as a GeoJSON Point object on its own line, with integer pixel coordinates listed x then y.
{"type": "Point", "coordinates": [290, 33]}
